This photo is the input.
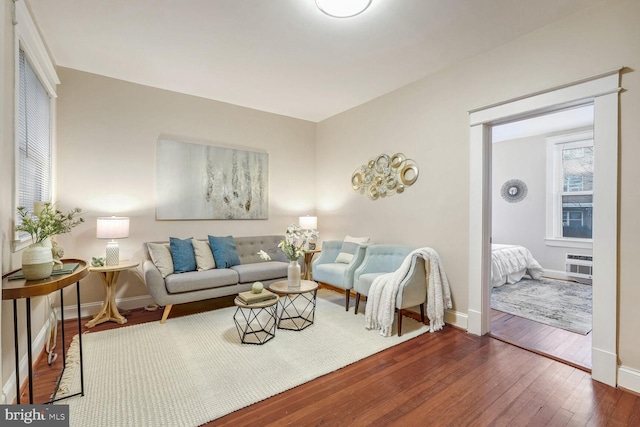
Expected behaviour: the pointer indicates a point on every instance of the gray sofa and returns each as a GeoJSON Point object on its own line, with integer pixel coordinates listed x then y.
{"type": "Point", "coordinates": [200, 285]}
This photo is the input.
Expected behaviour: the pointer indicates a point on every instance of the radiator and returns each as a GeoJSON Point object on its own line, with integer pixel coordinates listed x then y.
{"type": "Point", "coordinates": [580, 267]}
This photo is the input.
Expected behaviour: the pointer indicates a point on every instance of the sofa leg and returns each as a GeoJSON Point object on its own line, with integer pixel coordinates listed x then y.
{"type": "Point", "coordinates": [399, 322]}
{"type": "Point", "coordinates": [422, 313]}
{"type": "Point", "coordinates": [348, 294]}
{"type": "Point", "coordinates": [165, 314]}
{"type": "Point", "coordinates": [357, 303]}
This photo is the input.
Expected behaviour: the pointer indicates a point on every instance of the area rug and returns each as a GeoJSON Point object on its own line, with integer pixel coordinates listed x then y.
{"type": "Point", "coordinates": [557, 303]}
{"type": "Point", "coordinates": [194, 369]}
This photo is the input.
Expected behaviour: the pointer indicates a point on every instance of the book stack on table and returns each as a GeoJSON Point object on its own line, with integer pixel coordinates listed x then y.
{"type": "Point", "coordinates": [249, 297]}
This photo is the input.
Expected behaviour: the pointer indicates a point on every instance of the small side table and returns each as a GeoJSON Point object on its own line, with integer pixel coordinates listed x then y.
{"type": "Point", "coordinates": [256, 323]}
{"type": "Point", "coordinates": [308, 257]}
{"type": "Point", "coordinates": [21, 288]}
{"type": "Point", "coordinates": [298, 305]}
{"type": "Point", "coordinates": [109, 275]}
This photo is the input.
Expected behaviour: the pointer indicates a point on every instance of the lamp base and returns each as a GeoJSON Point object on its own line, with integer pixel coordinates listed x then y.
{"type": "Point", "coordinates": [113, 253]}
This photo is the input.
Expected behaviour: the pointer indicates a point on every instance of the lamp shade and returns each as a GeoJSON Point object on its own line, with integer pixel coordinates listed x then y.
{"type": "Point", "coordinates": [308, 222]}
{"type": "Point", "coordinates": [112, 227]}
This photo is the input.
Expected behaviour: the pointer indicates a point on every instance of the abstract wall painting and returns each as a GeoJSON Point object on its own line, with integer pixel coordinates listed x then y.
{"type": "Point", "coordinates": [205, 182]}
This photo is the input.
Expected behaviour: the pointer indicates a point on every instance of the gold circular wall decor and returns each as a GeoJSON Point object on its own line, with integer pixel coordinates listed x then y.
{"type": "Point", "coordinates": [356, 180]}
{"type": "Point", "coordinates": [385, 176]}
{"type": "Point", "coordinates": [409, 174]}
{"type": "Point", "coordinates": [382, 163]}
{"type": "Point", "coordinates": [397, 160]}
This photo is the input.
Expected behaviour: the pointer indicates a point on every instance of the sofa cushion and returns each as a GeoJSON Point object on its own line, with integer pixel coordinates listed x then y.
{"type": "Point", "coordinates": [349, 247]}
{"type": "Point", "coordinates": [199, 280]}
{"type": "Point", "coordinates": [204, 256]}
{"type": "Point", "coordinates": [224, 251]}
{"type": "Point", "coordinates": [256, 272]}
{"type": "Point", "coordinates": [183, 256]}
{"type": "Point", "coordinates": [161, 256]}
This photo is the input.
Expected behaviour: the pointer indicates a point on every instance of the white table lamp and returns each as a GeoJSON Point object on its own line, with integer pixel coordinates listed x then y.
{"type": "Point", "coordinates": [308, 222]}
{"type": "Point", "coordinates": [112, 227]}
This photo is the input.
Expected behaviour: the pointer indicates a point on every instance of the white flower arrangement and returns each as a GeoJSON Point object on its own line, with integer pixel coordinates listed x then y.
{"type": "Point", "coordinates": [294, 243]}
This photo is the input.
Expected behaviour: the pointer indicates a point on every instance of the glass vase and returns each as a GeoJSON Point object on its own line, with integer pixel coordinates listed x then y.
{"type": "Point", "coordinates": [293, 274]}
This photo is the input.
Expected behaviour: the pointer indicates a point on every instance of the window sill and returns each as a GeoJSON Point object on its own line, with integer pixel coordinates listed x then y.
{"type": "Point", "coordinates": [569, 243]}
{"type": "Point", "coordinates": [19, 245]}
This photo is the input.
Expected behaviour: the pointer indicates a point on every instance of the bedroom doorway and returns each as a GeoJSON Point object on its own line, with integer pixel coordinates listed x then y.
{"type": "Point", "coordinates": [542, 203]}
{"type": "Point", "coordinates": [601, 90]}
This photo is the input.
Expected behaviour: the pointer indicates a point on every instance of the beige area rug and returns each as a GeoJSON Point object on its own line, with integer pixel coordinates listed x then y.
{"type": "Point", "coordinates": [194, 369]}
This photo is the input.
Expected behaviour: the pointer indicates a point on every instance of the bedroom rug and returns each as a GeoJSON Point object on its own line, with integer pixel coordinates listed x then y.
{"type": "Point", "coordinates": [193, 369]}
{"type": "Point", "coordinates": [557, 303]}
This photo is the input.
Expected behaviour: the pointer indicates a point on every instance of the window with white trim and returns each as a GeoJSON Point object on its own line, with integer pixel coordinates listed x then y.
{"type": "Point", "coordinates": [571, 210]}
{"type": "Point", "coordinates": [33, 139]}
{"type": "Point", "coordinates": [35, 92]}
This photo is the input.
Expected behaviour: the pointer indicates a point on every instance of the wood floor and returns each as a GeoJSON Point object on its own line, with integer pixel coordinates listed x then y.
{"type": "Point", "coordinates": [445, 378]}
{"type": "Point", "coordinates": [566, 346]}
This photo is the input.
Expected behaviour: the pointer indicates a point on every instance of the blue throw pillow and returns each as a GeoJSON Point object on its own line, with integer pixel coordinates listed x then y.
{"type": "Point", "coordinates": [224, 251]}
{"type": "Point", "coordinates": [184, 259]}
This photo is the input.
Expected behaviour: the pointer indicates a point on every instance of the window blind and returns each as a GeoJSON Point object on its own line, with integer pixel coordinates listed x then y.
{"type": "Point", "coordinates": [34, 139]}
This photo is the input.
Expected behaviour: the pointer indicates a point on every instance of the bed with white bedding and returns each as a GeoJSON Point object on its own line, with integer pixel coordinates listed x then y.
{"type": "Point", "coordinates": [509, 263]}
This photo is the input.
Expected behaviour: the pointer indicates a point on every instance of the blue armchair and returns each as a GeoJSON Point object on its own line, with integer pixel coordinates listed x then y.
{"type": "Point", "coordinates": [381, 259]}
{"type": "Point", "coordinates": [325, 269]}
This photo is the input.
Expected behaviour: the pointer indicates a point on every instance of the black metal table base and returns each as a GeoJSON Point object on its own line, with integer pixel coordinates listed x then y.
{"type": "Point", "coordinates": [256, 325]}
{"type": "Point", "coordinates": [297, 311]}
{"type": "Point", "coordinates": [29, 349]}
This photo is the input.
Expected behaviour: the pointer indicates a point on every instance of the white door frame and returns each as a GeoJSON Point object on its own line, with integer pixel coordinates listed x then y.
{"type": "Point", "coordinates": [601, 90]}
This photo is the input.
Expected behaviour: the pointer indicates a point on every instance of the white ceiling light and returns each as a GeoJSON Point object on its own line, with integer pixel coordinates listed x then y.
{"type": "Point", "coordinates": [343, 8]}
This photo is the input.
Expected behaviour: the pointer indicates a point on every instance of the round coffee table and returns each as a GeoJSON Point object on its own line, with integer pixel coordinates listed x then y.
{"type": "Point", "coordinates": [256, 323]}
{"type": "Point", "coordinates": [297, 305]}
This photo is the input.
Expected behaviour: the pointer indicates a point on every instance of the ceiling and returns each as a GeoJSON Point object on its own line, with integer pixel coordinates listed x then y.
{"type": "Point", "coordinates": [282, 56]}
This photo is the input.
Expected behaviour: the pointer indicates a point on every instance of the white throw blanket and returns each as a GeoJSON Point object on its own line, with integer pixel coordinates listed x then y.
{"type": "Point", "coordinates": [381, 301]}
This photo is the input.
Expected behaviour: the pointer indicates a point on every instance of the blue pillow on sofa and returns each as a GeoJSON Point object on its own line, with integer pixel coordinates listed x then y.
{"type": "Point", "coordinates": [184, 259]}
{"type": "Point", "coordinates": [224, 251]}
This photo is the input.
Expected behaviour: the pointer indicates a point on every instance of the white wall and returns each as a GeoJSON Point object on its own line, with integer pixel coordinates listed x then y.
{"type": "Point", "coordinates": [428, 121]}
{"type": "Point", "coordinates": [107, 133]}
{"type": "Point", "coordinates": [524, 223]}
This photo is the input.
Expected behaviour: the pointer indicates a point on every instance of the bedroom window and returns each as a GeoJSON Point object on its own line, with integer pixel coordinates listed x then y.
{"type": "Point", "coordinates": [570, 207]}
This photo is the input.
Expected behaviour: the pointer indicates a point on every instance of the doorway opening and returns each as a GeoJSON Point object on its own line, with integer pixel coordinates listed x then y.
{"type": "Point", "coordinates": [542, 208]}
{"type": "Point", "coordinates": [601, 91]}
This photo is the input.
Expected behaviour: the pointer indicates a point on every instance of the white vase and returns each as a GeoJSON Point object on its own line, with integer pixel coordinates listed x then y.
{"type": "Point", "coordinates": [37, 262]}
{"type": "Point", "coordinates": [293, 274]}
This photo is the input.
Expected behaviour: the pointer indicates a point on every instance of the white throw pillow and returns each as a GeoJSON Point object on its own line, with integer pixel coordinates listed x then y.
{"type": "Point", "coordinates": [204, 256]}
{"type": "Point", "coordinates": [161, 256]}
{"type": "Point", "coordinates": [349, 247]}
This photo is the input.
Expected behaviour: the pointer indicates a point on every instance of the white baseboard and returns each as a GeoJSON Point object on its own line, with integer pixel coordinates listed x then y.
{"type": "Point", "coordinates": [89, 309]}
{"type": "Point", "coordinates": [562, 275]}
{"type": "Point", "coordinates": [604, 366]}
{"type": "Point", "coordinates": [556, 274]}
{"type": "Point", "coordinates": [629, 378]}
{"type": "Point", "coordinates": [456, 318]}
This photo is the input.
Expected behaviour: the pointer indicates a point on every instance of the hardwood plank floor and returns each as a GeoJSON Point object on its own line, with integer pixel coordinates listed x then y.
{"type": "Point", "coordinates": [557, 343]}
{"type": "Point", "coordinates": [445, 378]}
